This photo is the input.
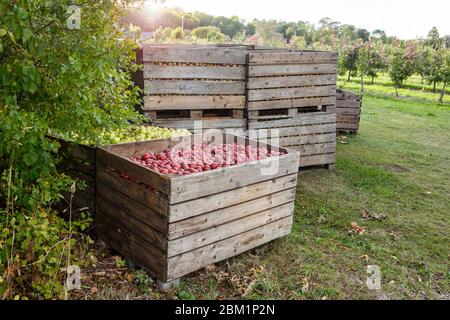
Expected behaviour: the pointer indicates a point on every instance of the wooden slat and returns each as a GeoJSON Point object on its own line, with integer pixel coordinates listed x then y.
{"type": "Point", "coordinates": [152, 71]}
{"type": "Point", "coordinates": [74, 165]}
{"type": "Point", "coordinates": [348, 104]}
{"type": "Point", "coordinates": [301, 140]}
{"type": "Point", "coordinates": [348, 126]}
{"type": "Point", "coordinates": [193, 102]}
{"type": "Point", "coordinates": [193, 260]}
{"type": "Point", "coordinates": [348, 111]}
{"type": "Point", "coordinates": [109, 198]}
{"type": "Point", "coordinates": [221, 232]}
{"type": "Point", "coordinates": [310, 149]}
{"type": "Point", "coordinates": [208, 220]}
{"type": "Point", "coordinates": [121, 164]}
{"type": "Point", "coordinates": [156, 201]}
{"type": "Point", "coordinates": [129, 222]}
{"type": "Point", "coordinates": [230, 178]}
{"type": "Point", "coordinates": [291, 81]}
{"type": "Point", "coordinates": [131, 246]}
{"type": "Point", "coordinates": [347, 95]}
{"type": "Point", "coordinates": [156, 87]}
{"type": "Point", "coordinates": [301, 120]}
{"type": "Point", "coordinates": [291, 69]}
{"type": "Point", "coordinates": [229, 198]}
{"type": "Point", "coordinates": [291, 93]}
{"type": "Point", "coordinates": [292, 57]}
{"type": "Point", "coordinates": [317, 160]}
{"type": "Point", "coordinates": [194, 55]}
{"type": "Point", "coordinates": [346, 118]}
{"type": "Point", "coordinates": [291, 103]}
{"type": "Point", "coordinates": [205, 124]}
{"type": "Point", "coordinates": [76, 150]}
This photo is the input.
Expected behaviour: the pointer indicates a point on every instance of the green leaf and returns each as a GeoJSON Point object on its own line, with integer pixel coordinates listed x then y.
{"type": "Point", "coordinates": [3, 32]}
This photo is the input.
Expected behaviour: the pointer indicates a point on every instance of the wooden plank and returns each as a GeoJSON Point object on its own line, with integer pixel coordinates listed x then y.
{"type": "Point", "coordinates": [348, 104]}
{"type": "Point", "coordinates": [194, 55]}
{"type": "Point", "coordinates": [129, 222]}
{"type": "Point", "coordinates": [122, 164]}
{"type": "Point", "coordinates": [193, 102]}
{"type": "Point", "coordinates": [347, 118]}
{"type": "Point", "coordinates": [193, 260]}
{"type": "Point", "coordinates": [221, 232]}
{"type": "Point", "coordinates": [291, 81]}
{"type": "Point", "coordinates": [131, 207]}
{"type": "Point", "coordinates": [347, 95]}
{"type": "Point", "coordinates": [153, 200]}
{"type": "Point", "coordinates": [311, 149]}
{"type": "Point", "coordinates": [291, 69]}
{"type": "Point", "coordinates": [202, 124]}
{"type": "Point", "coordinates": [152, 71]}
{"type": "Point", "coordinates": [317, 160]}
{"type": "Point", "coordinates": [208, 220]}
{"type": "Point", "coordinates": [156, 87]}
{"type": "Point", "coordinates": [292, 57]}
{"type": "Point", "coordinates": [76, 150]}
{"type": "Point", "coordinates": [131, 246]}
{"type": "Point", "coordinates": [348, 126]}
{"type": "Point", "coordinates": [75, 165]}
{"type": "Point", "coordinates": [348, 111]}
{"type": "Point", "coordinates": [291, 103]}
{"type": "Point", "coordinates": [302, 120]}
{"type": "Point", "coordinates": [291, 93]}
{"type": "Point", "coordinates": [229, 198]}
{"type": "Point", "coordinates": [231, 178]}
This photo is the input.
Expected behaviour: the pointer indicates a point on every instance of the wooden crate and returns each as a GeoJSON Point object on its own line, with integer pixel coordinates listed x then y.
{"type": "Point", "coordinates": [173, 225]}
{"type": "Point", "coordinates": [185, 84]}
{"type": "Point", "coordinates": [78, 162]}
{"type": "Point", "coordinates": [312, 134]}
{"type": "Point", "coordinates": [348, 111]}
{"type": "Point", "coordinates": [291, 96]}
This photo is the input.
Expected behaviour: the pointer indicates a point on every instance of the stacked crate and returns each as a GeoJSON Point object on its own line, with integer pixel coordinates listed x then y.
{"type": "Point", "coordinates": [187, 84]}
{"type": "Point", "coordinates": [291, 97]}
{"type": "Point", "coordinates": [348, 111]}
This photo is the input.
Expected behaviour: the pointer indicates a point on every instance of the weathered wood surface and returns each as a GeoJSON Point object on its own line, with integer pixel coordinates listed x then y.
{"type": "Point", "coordinates": [201, 55]}
{"type": "Point", "coordinates": [292, 81]}
{"type": "Point", "coordinates": [224, 231]}
{"type": "Point", "coordinates": [291, 93]}
{"type": "Point", "coordinates": [348, 110]}
{"type": "Point", "coordinates": [193, 87]}
{"type": "Point", "coordinates": [202, 124]}
{"type": "Point", "coordinates": [193, 260]}
{"type": "Point", "coordinates": [264, 57]}
{"type": "Point", "coordinates": [153, 71]}
{"type": "Point", "coordinates": [193, 102]}
{"type": "Point", "coordinates": [291, 69]}
{"type": "Point", "coordinates": [291, 103]}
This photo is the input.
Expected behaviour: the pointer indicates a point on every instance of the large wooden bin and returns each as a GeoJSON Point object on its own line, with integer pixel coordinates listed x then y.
{"type": "Point", "coordinates": [348, 111]}
{"type": "Point", "coordinates": [173, 225]}
{"type": "Point", "coordinates": [292, 96]}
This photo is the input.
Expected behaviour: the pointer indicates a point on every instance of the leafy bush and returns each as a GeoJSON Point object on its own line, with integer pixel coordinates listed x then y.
{"type": "Point", "coordinates": [52, 77]}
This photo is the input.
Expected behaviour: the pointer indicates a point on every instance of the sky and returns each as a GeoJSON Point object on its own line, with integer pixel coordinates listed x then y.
{"type": "Point", "coordinates": [406, 19]}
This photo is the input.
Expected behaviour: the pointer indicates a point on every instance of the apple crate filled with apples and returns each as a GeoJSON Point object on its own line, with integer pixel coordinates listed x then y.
{"type": "Point", "coordinates": [78, 161]}
{"type": "Point", "coordinates": [174, 206]}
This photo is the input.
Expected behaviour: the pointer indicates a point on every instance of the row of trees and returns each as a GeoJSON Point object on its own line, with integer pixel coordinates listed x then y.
{"type": "Point", "coordinates": [362, 53]}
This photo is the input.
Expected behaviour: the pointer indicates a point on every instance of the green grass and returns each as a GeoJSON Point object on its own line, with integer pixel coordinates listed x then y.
{"type": "Point", "coordinates": [396, 167]}
{"type": "Point", "coordinates": [383, 86]}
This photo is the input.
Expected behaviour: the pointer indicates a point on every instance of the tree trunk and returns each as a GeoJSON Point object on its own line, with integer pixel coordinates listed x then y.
{"type": "Point", "coordinates": [441, 99]}
{"type": "Point", "coordinates": [396, 91]}
{"type": "Point", "coordinates": [349, 74]}
{"type": "Point", "coordinates": [434, 86]}
{"type": "Point", "coordinates": [373, 79]}
{"type": "Point", "coordinates": [422, 82]}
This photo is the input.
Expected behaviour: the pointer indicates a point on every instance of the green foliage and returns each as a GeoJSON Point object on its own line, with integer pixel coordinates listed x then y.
{"type": "Point", "coordinates": [177, 33]}
{"type": "Point", "coordinates": [202, 32]}
{"type": "Point", "coordinates": [52, 78]}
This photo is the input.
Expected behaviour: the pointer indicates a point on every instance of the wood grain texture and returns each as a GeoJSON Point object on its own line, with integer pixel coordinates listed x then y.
{"type": "Point", "coordinates": [291, 69]}
{"type": "Point", "coordinates": [291, 81]}
{"type": "Point", "coordinates": [291, 93]}
{"type": "Point", "coordinates": [291, 103]}
{"type": "Point", "coordinates": [194, 55]}
{"type": "Point", "coordinates": [193, 87]}
{"type": "Point", "coordinates": [193, 260]}
{"type": "Point", "coordinates": [264, 57]}
{"type": "Point", "coordinates": [193, 102]}
{"type": "Point", "coordinates": [152, 71]}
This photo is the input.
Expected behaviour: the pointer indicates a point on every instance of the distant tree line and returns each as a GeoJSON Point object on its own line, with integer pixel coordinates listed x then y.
{"type": "Point", "coordinates": [362, 53]}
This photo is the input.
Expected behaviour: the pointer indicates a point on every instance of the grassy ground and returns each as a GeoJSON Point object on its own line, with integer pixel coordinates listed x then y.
{"type": "Point", "coordinates": [392, 179]}
{"type": "Point", "coordinates": [412, 88]}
